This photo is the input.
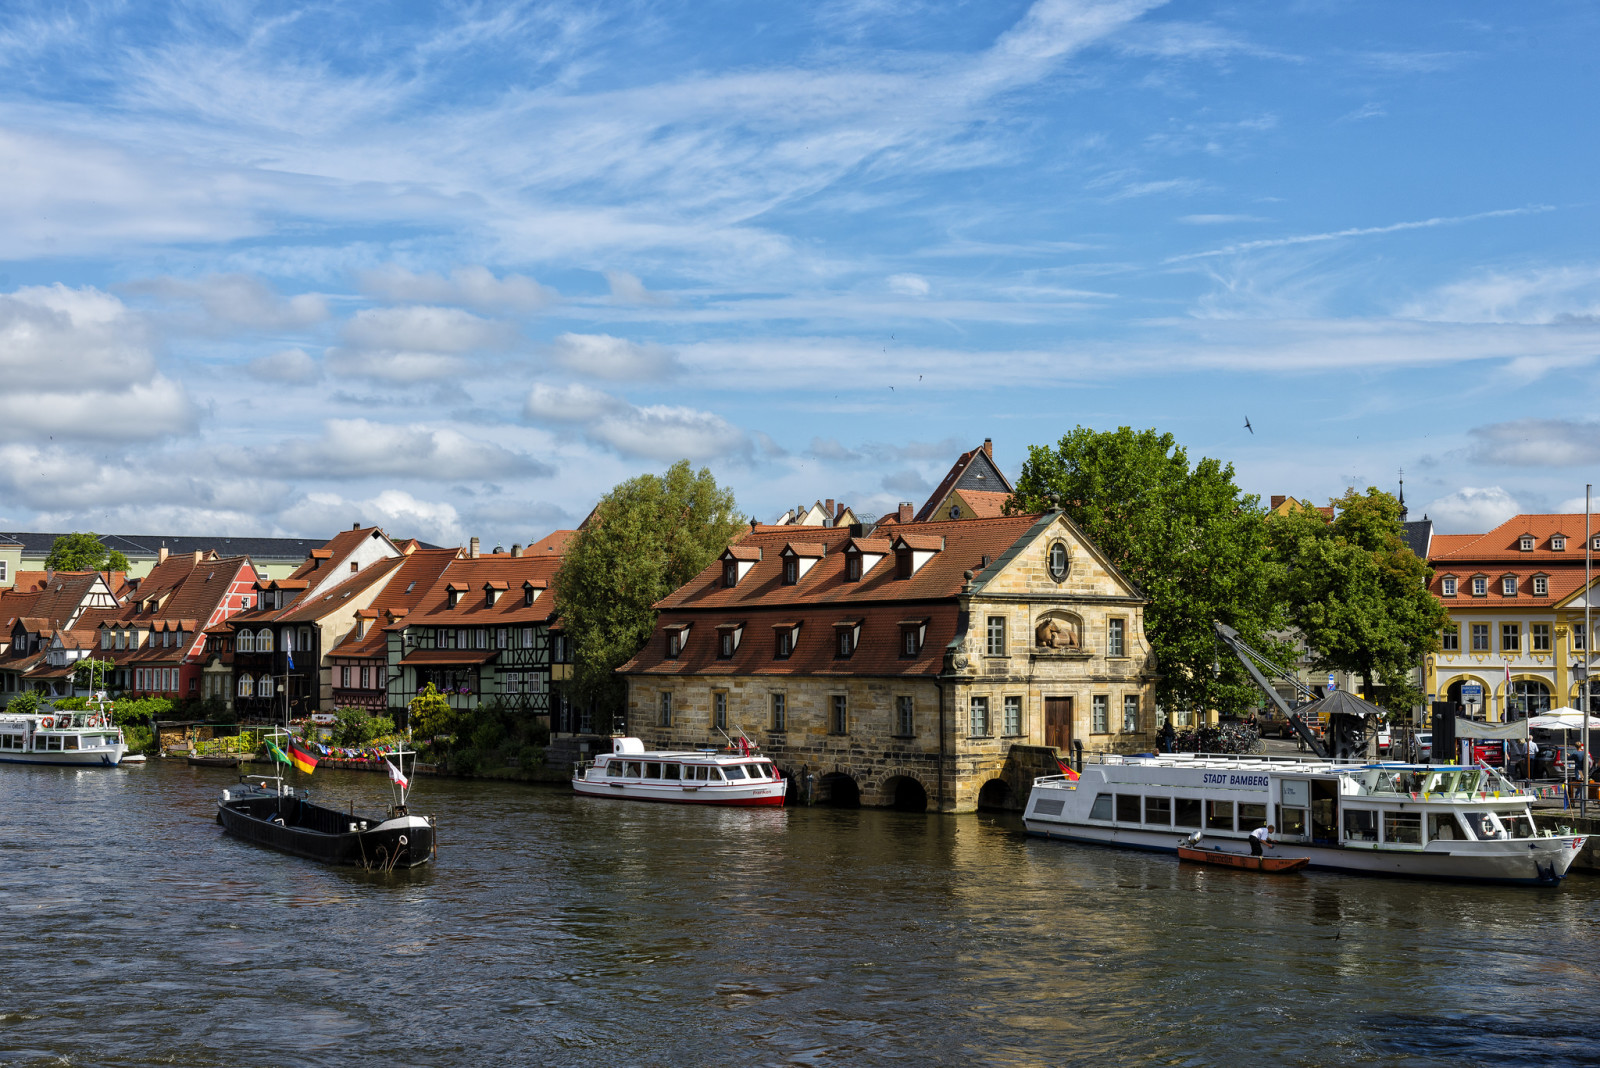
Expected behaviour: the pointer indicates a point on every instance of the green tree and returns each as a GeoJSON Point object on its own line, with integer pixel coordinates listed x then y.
{"type": "Point", "coordinates": [25, 703]}
{"type": "Point", "coordinates": [431, 714]}
{"type": "Point", "coordinates": [83, 552]}
{"type": "Point", "coordinates": [89, 674]}
{"type": "Point", "coordinates": [1186, 535]}
{"type": "Point", "coordinates": [647, 537]}
{"type": "Point", "coordinates": [1358, 593]}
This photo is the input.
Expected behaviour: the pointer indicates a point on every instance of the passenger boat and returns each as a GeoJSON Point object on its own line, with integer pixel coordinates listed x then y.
{"type": "Point", "coordinates": [266, 810]}
{"type": "Point", "coordinates": [691, 777]}
{"type": "Point", "coordinates": [1433, 821]}
{"type": "Point", "coordinates": [76, 739]}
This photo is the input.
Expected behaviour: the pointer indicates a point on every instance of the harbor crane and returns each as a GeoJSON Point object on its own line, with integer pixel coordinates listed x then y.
{"type": "Point", "coordinates": [1347, 730]}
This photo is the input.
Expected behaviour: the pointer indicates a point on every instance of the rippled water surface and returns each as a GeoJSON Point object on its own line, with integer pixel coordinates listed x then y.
{"type": "Point", "coordinates": [559, 930]}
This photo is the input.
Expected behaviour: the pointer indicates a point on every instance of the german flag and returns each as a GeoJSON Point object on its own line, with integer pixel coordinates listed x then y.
{"type": "Point", "coordinates": [1066, 770]}
{"type": "Point", "coordinates": [301, 759]}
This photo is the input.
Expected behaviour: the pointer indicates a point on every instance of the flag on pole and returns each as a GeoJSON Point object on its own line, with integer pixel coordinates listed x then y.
{"type": "Point", "coordinates": [1066, 769]}
{"type": "Point", "coordinates": [278, 754]}
{"type": "Point", "coordinates": [301, 759]}
{"type": "Point", "coordinates": [290, 654]}
{"type": "Point", "coordinates": [395, 776]}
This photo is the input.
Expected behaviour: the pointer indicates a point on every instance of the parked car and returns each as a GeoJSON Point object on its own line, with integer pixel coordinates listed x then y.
{"type": "Point", "coordinates": [1383, 741]}
{"type": "Point", "coordinates": [1425, 741]}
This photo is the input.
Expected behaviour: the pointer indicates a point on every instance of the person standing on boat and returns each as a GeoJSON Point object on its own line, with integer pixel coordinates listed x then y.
{"type": "Point", "coordinates": [1261, 837]}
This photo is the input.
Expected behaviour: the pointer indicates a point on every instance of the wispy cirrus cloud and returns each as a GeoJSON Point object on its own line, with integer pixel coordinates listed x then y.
{"type": "Point", "coordinates": [1357, 231]}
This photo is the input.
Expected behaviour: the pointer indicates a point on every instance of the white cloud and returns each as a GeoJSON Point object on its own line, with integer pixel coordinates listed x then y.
{"type": "Point", "coordinates": [397, 512]}
{"type": "Point", "coordinates": [415, 343]}
{"type": "Point", "coordinates": [569, 404]}
{"type": "Point", "coordinates": [909, 285]}
{"type": "Point", "coordinates": [1537, 443]}
{"type": "Point", "coordinates": [237, 300]}
{"type": "Point", "coordinates": [360, 448]}
{"type": "Point", "coordinates": [67, 480]}
{"type": "Point", "coordinates": [1540, 296]}
{"type": "Point", "coordinates": [1215, 220]}
{"type": "Point", "coordinates": [612, 358]}
{"type": "Point", "coordinates": [474, 287]}
{"type": "Point", "coordinates": [627, 289]}
{"type": "Point", "coordinates": [290, 366]}
{"type": "Point", "coordinates": [1355, 231]}
{"type": "Point", "coordinates": [1472, 510]}
{"type": "Point", "coordinates": [658, 432]}
{"type": "Point", "coordinates": [391, 366]}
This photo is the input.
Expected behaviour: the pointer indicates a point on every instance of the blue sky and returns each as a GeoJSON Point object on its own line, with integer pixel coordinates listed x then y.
{"type": "Point", "coordinates": [459, 268]}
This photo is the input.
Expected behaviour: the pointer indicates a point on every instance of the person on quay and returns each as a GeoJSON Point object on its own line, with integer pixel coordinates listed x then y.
{"type": "Point", "coordinates": [1260, 837]}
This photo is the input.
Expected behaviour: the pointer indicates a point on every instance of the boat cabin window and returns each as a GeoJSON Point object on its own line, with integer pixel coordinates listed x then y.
{"type": "Point", "coordinates": [1518, 826]}
{"type": "Point", "coordinates": [734, 771]}
{"type": "Point", "coordinates": [70, 742]}
{"type": "Point", "coordinates": [671, 771]}
{"type": "Point", "coordinates": [10, 741]}
{"type": "Point", "coordinates": [1442, 827]}
{"type": "Point", "coordinates": [1360, 825]}
{"type": "Point", "coordinates": [1251, 816]}
{"type": "Point", "coordinates": [1186, 811]}
{"type": "Point", "coordinates": [1402, 828]}
{"type": "Point", "coordinates": [1128, 808]}
{"type": "Point", "coordinates": [1102, 807]}
{"type": "Point", "coordinates": [756, 771]}
{"type": "Point", "coordinates": [1482, 825]}
{"type": "Point", "coordinates": [1219, 815]}
{"type": "Point", "coordinates": [1158, 810]}
{"type": "Point", "coordinates": [51, 742]}
{"type": "Point", "coordinates": [635, 770]}
{"type": "Point", "coordinates": [652, 770]}
{"type": "Point", "coordinates": [1291, 821]}
{"type": "Point", "coordinates": [615, 768]}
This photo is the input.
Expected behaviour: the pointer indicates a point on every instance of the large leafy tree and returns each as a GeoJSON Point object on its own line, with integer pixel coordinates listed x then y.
{"type": "Point", "coordinates": [83, 552]}
{"type": "Point", "coordinates": [1186, 534]}
{"type": "Point", "coordinates": [647, 537]}
{"type": "Point", "coordinates": [1358, 593]}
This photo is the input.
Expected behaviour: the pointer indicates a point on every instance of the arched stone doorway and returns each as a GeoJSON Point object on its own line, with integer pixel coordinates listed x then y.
{"type": "Point", "coordinates": [996, 796]}
{"type": "Point", "coordinates": [838, 790]}
{"type": "Point", "coordinates": [905, 794]}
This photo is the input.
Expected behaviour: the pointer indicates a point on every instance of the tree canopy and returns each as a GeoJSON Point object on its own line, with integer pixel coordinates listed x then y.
{"type": "Point", "coordinates": [83, 552]}
{"type": "Point", "coordinates": [647, 537]}
{"type": "Point", "coordinates": [1358, 593]}
{"type": "Point", "coordinates": [1185, 534]}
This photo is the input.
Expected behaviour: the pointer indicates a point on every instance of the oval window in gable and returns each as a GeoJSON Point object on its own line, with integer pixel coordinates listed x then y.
{"type": "Point", "coordinates": [1060, 563]}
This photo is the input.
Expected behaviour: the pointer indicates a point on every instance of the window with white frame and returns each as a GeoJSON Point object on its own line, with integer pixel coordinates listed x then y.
{"type": "Point", "coordinates": [344, 678]}
{"type": "Point", "coordinates": [1480, 587]}
{"type": "Point", "coordinates": [1101, 714]}
{"type": "Point", "coordinates": [1525, 543]}
{"type": "Point", "coordinates": [1541, 586]}
{"type": "Point", "coordinates": [366, 678]}
{"type": "Point", "coordinates": [997, 635]}
{"type": "Point", "coordinates": [1578, 636]}
{"type": "Point", "coordinates": [1450, 638]}
{"type": "Point", "coordinates": [246, 643]}
{"type": "Point", "coordinates": [1539, 637]}
{"type": "Point", "coordinates": [1012, 725]}
{"type": "Point", "coordinates": [1510, 637]}
{"type": "Point", "coordinates": [263, 640]}
{"type": "Point", "coordinates": [1115, 645]}
{"type": "Point", "coordinates": [978, 725]}
{"type": "Point", "coordinates": [1448, 586]}
{"type": "Point", "coordinates": [247, 686]}
{"type": "Point", "coordinates": [1130, 714]}
{"type": "Point", "coordinates": [1558, 544]}
{"type": "Point", "coordinates": [1508, 586]}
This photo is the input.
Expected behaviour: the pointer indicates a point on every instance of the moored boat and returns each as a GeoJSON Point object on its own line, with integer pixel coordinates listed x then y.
{"type": "Point", "coordinates": [690, 777]}
{"type": "Point", "coordinates": [1432, 821]}
{"type": "Point", "coordinates": [1244, 861]}
{"type": "Point", "coordinates": [266, 810]}
{"type": "Point", "coordinates": [76, 739]}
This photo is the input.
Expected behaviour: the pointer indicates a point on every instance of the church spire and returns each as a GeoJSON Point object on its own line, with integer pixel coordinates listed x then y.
{"type": "Point", "coordinates": [1402, 495]}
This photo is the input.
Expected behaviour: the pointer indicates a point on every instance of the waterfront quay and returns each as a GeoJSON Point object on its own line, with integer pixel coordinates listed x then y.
{"type": "Point", "coordinates": [557, 930]}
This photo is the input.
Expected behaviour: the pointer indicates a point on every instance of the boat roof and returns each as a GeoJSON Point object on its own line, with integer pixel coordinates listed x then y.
{"type": "Point", "coordinates": [1283, 765]}
{"type": "Point", "coordinates": [686, 754]}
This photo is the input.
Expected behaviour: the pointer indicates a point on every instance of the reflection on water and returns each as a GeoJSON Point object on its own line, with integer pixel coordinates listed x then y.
{"type": "Point", "coordinates": [557, 929]}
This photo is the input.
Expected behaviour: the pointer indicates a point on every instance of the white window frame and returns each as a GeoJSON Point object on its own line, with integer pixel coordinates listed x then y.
{"type": "Point", "coordinates": [978, 717]}
{"type": "Point", "coordinates": [1447, 586]}
{"type": "Point", "coordinates": [1541, 586]}
{"type": "Point", "coordinates": [1100, 704]}
{"type": "Point", "coordinates": [1117, 637]}
{"type": "Point", "coordinates": [1011, 718]}
{"type": "Point", "coordinates": [1130, 713]}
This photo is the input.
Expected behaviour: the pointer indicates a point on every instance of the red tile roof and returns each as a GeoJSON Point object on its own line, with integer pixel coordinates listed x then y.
{"type": "Point", "coordinates": [552, 544]}
{"type": "Point", "coordinates": [471, 573]}
{"type": "Point", "coordinates": [1562, 582]}
{"type": "Point", "coordinates": [986, 503]}
{"type": "Point", "coordinates": [1501, 542]}
{"type": "Point", "coordinates": [953, 476]}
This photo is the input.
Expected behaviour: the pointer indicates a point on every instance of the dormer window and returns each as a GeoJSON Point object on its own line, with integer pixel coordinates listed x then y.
{"type": "Point", "coordinates": [1525, 543]}
{"type": "Point", "coordinates": [1558, 543]}
{"type": "Point", "coordinates": [530, 592]}
{"type": "Point", "coordinates": [1595, 544]}
{"type": "Point", "coordinates": [728, 635]}
{"type": "Point", "coordinates": [846, 636]}
{"type": "Point", "coordinates": [492, 592]}
{"type": "Point", "coordinates": [730, 573]}
{"type": "Point", "coordinates": [784, 638]}
{"type": "Point", "coordinates": [677, 635]}
{"type": "Point", "coordinates": [799, 558]}
{"type": "Point", "coordinates": [737, 560]}
{"type": "Point", "coordinates": [1508, 586]}
{"type": "Point", "coordinates": [1480, 586]}
{"type": "Point", "coordinates": [791, 571]}
{"type": "Point", "coordinates": [852, 567]}
{"type": "Point", "coordinates": [912, 633]}
{"type": "Point", "coordinates": [912, 551]}
{"type": "Point", "coordinates": [1447, 586]}
{"type": "Point", "coordinates": [1541, 585]}
{"type": "Point", "coordinates": [488, 597]}
{"type": "Point", "coordinates": [453, 593]}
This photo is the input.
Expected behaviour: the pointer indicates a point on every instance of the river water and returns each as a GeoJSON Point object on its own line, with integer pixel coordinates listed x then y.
{"type": "Point", "coordinates": [559, 930]}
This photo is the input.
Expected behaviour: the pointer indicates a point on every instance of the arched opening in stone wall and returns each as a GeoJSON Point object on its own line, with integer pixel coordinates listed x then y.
{"type": "Point", "coordinates": [838, 790]}
{"type": "Point", "coordinates": [996, 796]}
{"type": "Point", "coordinates": [906, 794]}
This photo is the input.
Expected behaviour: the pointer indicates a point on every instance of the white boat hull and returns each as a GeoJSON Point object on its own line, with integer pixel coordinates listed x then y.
{"type": "Point", "coordinates": [1538, 860]}
{"type": "Point", "coordinates": [101, 756]}
{"type": "Point", "coordinates": [750, 794]}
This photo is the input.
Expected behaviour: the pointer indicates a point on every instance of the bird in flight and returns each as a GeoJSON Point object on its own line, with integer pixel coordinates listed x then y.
{"type": "Point", "coordinates": [1247, 425]}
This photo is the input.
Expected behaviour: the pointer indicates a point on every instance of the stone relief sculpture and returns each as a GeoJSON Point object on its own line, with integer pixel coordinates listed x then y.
{"type": "Point", "coordinates": [1056, 634]}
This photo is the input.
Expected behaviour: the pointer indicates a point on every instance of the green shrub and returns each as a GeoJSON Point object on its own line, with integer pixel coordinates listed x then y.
{"type": "Point", "coordinates": [465, 762]}
{"type": "Point", "coordinates": [140, 739]}
{"type": "Point", "coordinates": [71, 704]}
{"type": "Point", "coordinates": [24, 704]}
{"type": "Point", "coordinates": [531, 756]}
{"type": "Point", "coordinates": [488, 734]}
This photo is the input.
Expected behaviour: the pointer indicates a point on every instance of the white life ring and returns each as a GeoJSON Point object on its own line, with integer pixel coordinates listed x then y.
{"type": "Point", "coordinates": [47, 723]}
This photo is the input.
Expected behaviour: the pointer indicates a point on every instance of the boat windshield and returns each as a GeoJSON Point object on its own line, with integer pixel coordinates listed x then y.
{"type": "Point", "coordinates": [1432, 782]}
{"type": "Point", "coordinates": [1491, 825]}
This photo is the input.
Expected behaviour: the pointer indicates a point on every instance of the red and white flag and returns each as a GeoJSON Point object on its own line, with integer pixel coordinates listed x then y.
{"type": "Point", "coordinates": [395, 776]}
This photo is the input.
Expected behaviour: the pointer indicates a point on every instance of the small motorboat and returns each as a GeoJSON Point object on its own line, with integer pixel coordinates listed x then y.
{"type": "Point", "coordinates": [1245, 861]}
{"type": "Point", "coordinates": [692, 777]}
{"type": "Point", "coordinates": [268, 811]}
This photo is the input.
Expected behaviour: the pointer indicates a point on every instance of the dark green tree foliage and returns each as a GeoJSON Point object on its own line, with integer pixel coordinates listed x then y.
{"type": "Point", "coordinates": [90, 674]}
{"type": "Point", "coordinates": [83, 552]}
{"type": "Point", "coordinates": [647, 537]}
{"type": "Point", "coordinates": [1186, 535]}
{"type": "Point", "coordinates": [1359, 594]}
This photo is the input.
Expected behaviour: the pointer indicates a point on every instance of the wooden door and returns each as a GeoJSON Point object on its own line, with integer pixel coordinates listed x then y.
{"type": "Point", "coordinates": [1058, 723]}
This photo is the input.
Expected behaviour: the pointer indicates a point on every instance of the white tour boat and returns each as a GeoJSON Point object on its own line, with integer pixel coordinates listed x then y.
{"type": "Point", "coordinates": [1435, 821]}
{"type": "Point", "coordinates": [698, 777]}
{"type": "Point", "coordinates": [79, 739]}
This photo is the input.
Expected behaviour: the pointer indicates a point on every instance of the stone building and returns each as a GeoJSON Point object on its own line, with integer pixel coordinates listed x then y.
{"type": "Point", "coordinates": [918, 664]}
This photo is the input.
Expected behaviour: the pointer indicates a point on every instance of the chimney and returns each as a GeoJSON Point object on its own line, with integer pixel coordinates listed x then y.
{"type": "Point", "coordinates": [355, 526]}
{"type": "Point", "coordinates": [827, 507]}
{"type": "Point", "coordinates": [161, 554]}
{"type": "Point", "coordinates": [198, 556]}
{"type": "Point", "coordinates": [516, 550]}
{"type": "Point", "coordinates": [905, 513]}
{"type": "Point", "coordinates": [988, 448]}
{"type": "Point", "coordinates": [473, 552]}
{"type": "Point", "coordinates": [1277, 499]}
